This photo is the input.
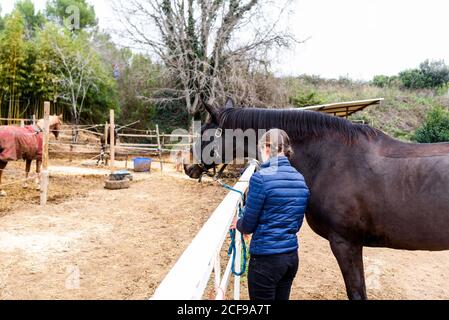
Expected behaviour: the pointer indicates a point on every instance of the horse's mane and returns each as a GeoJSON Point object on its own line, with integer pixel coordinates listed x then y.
{"type": "Point", "coordinates": [298, 124]}
{"type": "Point", "coordinates": [54, 120]}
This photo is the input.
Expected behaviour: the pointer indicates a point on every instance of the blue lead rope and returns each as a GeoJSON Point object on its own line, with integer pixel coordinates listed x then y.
{"type": "Point", "coordinates": [232, 247]}
{"type": "Point", "coordinates": [224, 185]}
{"type": "Point", "coordinates": [232, 250]}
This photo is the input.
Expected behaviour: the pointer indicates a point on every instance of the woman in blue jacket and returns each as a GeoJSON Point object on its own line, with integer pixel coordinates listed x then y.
{"type": "Point", "coordinates": [274, 212]}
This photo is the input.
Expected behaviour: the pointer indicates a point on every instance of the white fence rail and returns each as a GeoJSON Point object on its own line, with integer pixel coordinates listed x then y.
{"type": "Point", "coordinates": [189, 277]}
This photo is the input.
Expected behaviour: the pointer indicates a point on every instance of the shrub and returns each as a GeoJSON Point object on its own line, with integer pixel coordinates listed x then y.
{"type": "Point", "coordinates": [306, 99]}
{"type": "Point", "coordinates": [435, 127]}
{"type": "Point", "coordinates": [430, 75]}
{"type": "Point", "coordinates": [383, 81]}
{"type": "Point", "coordinates": [443, 90]}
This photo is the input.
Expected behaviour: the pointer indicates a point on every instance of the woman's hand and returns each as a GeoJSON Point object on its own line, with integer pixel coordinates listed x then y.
{"type": "Point", "coordinates": [234, 224]}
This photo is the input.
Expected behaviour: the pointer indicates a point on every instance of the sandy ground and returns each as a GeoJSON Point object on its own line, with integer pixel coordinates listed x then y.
{"type": "Point", "coordinates": [91, 243]}
{"type": "Point", "coordinates": [390, 274]}
{"type": "Point", "coordinates": [103, 245]}
{"type": "Point", "coordinates": [61, 188]}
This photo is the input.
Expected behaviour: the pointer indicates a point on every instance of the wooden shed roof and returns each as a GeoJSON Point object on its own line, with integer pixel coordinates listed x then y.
{"type": "Point", "coordinates": [345, 109]}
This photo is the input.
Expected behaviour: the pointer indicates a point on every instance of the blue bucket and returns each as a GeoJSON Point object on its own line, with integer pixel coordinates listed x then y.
{"type": "Point", "coordinates": [142, 164]}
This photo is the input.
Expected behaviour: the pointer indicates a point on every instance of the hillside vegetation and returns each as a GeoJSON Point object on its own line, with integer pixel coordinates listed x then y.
{"type": "Point", "coordinates": [401, 114]}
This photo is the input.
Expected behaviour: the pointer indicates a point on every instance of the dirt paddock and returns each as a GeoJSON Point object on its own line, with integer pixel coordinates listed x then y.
{"type": "Point", "coordinates": [90, 243]}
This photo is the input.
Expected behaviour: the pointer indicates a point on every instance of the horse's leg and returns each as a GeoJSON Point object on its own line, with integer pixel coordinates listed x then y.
{"type": "Point", "coordinates": [350, 260]}
{"type": "Point", "coordinates": [100, 156]}
{"type": "Point", "coordinates": [2, 166]}
{"type": "Point", "coordinates": [38, 171]}
{"type": "Point", "coordinates": [27, 173]}
{"type": "Point", "coordinates": [220, 173]}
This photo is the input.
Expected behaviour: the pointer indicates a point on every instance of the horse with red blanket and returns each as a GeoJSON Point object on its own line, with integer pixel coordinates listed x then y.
{"type": "Point", "coordinates": [25, 143]}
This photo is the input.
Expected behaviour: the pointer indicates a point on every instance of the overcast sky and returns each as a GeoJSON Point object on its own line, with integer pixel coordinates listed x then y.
{"type": "Point", "coordinates": [358, 38]}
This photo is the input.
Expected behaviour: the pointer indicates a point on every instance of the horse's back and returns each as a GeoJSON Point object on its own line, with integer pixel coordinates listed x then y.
{"type": "Point", "coordinates": [396, 202]}
{"type": "Point", "coordinates": [19, 143]}
{"type": "Point", "coordinates": [391, 148]}
{"type": "Point", "coordinates": [407, 200]}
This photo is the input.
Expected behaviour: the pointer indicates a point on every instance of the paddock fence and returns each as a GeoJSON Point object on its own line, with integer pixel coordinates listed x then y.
{"type": "Point", "coordinates": [17, 121]}
{"type": "Point", "coordinates": [79, 140]}
{"type": "Point", "coordinates": [118, 141]}
{"type": "Point", "coordinates": [86, 141]}
{"type": "Point", "coordinates": [190, 277]}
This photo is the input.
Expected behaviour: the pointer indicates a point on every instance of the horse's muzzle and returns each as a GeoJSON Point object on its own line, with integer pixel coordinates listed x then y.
{"type": "Point", "coordinates": [193, 171]}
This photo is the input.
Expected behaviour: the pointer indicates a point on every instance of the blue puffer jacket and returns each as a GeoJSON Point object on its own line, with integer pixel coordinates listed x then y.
{"type": "Point", "coordinates": [275, 207]}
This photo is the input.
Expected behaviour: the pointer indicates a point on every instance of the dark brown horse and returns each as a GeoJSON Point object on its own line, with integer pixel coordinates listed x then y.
{"type": "Point", "coordinates": [25, 144]}
{"type": "Point", "coordinates": [367, 189]}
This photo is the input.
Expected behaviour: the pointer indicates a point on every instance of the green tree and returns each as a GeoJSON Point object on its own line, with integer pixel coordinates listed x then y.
{"type": "Point", "coordinates": [41, 61]}
{"type": "Point", "coordinates": [80, 76]}
{"type": "Point", "coordinates": [435, 73]}
{"type": "Point", "coordinates": [12, 63]}
{"type": "Point", "coordinates": [23, 84]}
{"type": "Point", "coordinates": [107, 95]}
{"type": "Point", "coordinates": [430, 74]}
{"type": "Point", "coordinates": [435, 128]}
{"type": "Point", "coordinates": [59, 11]}
{"type": "Point", "coordinates": [32, 20]}
{"type": "Point", "coordinates": [138, 79]}
{"type": "Point", "coordinates": [2, 22]}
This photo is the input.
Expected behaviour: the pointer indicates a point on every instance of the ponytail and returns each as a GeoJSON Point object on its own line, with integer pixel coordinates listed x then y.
{"type": "Point", "coordinates": [279, 142]}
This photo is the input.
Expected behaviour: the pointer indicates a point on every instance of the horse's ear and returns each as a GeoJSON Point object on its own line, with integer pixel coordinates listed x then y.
{"type": "Point", "coordinates": [229, 104]}
{"type": "Point", "coordinates": [61, 116]}
{"type": "Point", "coordinates": [211, 110]}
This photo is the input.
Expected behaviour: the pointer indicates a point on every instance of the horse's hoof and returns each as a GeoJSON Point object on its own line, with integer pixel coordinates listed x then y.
{"type": "Point", "coordinates": [3, 193]}
{"type": "Point", "coordinates": [38, 187]}
{"type": "Point", "coordinates": [25, 186]}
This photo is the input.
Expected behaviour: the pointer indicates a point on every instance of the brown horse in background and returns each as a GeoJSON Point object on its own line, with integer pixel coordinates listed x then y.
{"type": "Point", "coordinates": [17, 143]}
{"type": "Point", "coordinates": [367, 189]}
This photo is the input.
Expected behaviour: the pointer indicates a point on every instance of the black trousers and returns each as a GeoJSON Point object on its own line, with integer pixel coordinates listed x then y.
{"type": "Point", "coordinates": [271, 277]}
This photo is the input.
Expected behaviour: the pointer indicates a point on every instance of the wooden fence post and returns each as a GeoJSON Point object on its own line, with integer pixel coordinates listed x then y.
{"type": "Point", "coordinates": [159, 145]}
{"type": "Point", "coordinates": [106, 128]}
{"type": "Point", "coordinates": [193, 157]}
{"type": "Point", "coordinates": [105, 147]}
{"type": "Point", "coordinates": [192, 132]}
{"type": "Point", "coordinates": [44, 172]}
{"type": "Point", "coordinates": [112, 135]}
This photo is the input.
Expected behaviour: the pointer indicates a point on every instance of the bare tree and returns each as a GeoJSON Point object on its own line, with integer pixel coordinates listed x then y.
{"type": "Point", "coordinates": [212, 48]}
{"type": "Point", "coordinates": [76, 79]}
{"type": "Point", "coordinates": [75, 66]}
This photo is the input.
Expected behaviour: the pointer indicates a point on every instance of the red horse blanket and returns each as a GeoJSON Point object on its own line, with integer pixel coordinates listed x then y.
{"type": "Point", "coordinates": [20, 143]}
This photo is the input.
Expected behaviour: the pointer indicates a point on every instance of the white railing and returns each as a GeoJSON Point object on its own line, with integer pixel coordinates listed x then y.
{"type": "Point", "coordinates": [189, 277]}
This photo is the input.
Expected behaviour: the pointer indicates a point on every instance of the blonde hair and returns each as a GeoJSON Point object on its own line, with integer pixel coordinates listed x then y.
{"type": "Point", "coordinates": [278, 141]}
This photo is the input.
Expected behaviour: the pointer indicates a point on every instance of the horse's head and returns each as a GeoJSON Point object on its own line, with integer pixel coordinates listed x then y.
{"type": "Point", "coordinates": [209, 148]}
{"type": "Point", "coordinates": [206, 161]}
{"type": "Point", "coordinates": [55, 125]}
